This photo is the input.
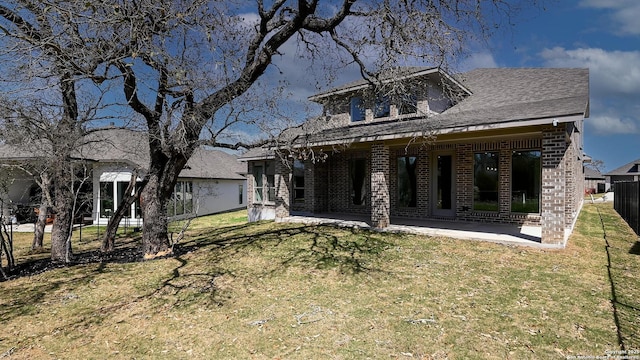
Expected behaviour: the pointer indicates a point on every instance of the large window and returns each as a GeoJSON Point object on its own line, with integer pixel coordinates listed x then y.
{"type": "Point", "coordinates": [525, 181]}
{"type": "Point", "coordinates": [356, 108]}
{"type": "Point", "coordinates": [382, 107]}
{"type": "Point", "coordinates": [485, 181]}
{"type": "Point", "coordinates": [357, 181]}
{"type": "Point", "coordinates": [107, 207]}
{"type": "Point", "coordinates": [407, 181]}
{"type": "Point", "coordinates": [264, 182]}
{"type": "Point", "coordinates": [181, 201]}
{"type": "Point", "coordinates": [298, 181]}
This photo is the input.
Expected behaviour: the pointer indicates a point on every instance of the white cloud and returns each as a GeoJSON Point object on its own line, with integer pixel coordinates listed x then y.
{"type": "Point", "coordinates": [478, 60]}
{"type": "Point", "coordinates": [612, 72]}
{"type": "Point", "coordinates": [624, 13]}
{"type": "Point", "coordinates": [612, 125]}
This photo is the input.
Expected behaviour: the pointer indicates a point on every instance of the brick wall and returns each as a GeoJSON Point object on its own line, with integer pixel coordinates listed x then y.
{"type": "Point", "coordinates": [554, 194]}
{"type": "Point", "coordinates": [380, 202]}
{"type": "Point", "coordinates": [283, 185]}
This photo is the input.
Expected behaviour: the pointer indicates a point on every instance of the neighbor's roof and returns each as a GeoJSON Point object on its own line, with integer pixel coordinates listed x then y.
{"type": "Point", "coordinates": [591, 173]}
{"type": "Point", "coordinates": [499, 96]}
{"type": "Point", "coordinates": [114, 145]}
{"type": "Point", "coordinates": [631, 168]}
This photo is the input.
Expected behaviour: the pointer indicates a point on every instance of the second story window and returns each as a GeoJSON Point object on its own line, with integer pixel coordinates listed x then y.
{"type": "Point", "coordinates": [356, 108]}
{"type": "Point", "coordinates": [382, 108]}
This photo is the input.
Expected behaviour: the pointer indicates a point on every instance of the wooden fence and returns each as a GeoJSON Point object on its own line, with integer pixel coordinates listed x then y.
{"type": "Point", "coordinates": [626, 201]}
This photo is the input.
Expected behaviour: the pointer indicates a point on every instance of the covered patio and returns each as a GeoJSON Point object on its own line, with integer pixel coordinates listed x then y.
{"type": "Point", "coordinates": [507, 234]}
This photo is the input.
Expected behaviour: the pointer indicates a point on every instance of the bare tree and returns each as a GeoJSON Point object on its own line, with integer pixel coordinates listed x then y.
{"type": "Point", "coordinates": [49, 100]}
{"type": "Point", "coordinates": [193, 70]}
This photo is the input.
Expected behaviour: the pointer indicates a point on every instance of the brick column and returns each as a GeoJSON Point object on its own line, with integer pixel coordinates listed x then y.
{"type": "Point", "coordinates": [504, 178]}
{"type": "Point", "coordinates": [553, 185]}
{"type": "Point", "coordinates": [380, 200]}
{"type": "Point", "coordinates": [283, 184]}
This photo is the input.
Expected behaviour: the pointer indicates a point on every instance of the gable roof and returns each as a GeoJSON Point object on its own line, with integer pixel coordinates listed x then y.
{"type": "Point", "coordinates": [402, 73]}
{"type": "Point", "coordinates": [117, 145]}
{"type": "Point", "coordinates": [591, 173]}
{"type": "Point", "coordinates": [631, 168]}
{"type": "Point", "coordinates": [501, 97]}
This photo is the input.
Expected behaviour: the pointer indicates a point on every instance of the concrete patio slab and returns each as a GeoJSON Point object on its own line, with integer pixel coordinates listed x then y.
{"type": "Point", "coordinates": [498, 233]}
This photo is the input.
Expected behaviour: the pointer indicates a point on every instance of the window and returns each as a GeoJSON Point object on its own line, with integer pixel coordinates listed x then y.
{"type": "Point", "coordinates": [408, 105]}
{"type": "Point", "coordinates": [240, 193]}
{"type": "Point", "coordinates": [485, 181]}
{"type": "Point", "coordinates": [356, 109]}
{"type": "Point", "coordinates": [258, 172]}
{"type": "Point", "coordinates": [382, 107]}
{"type": "Point", "coordinates": [264, 182]}
{"type": "Point", "coordinates": [181, 201]}
{"type": "Point", "coordinates": [298, 181]}
{"type": "Point", "coordinates": [357, 183]}
{"type": "Point", "coordinates": [122, 187]}
{"type": "Point", "coordinates": [407, 181]}
{"type": "Point", "coordinates": [525, 181]}
{"type": "Point", "coordinates": [106, 199]}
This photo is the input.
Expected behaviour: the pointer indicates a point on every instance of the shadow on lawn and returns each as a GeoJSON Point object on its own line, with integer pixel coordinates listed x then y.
{"type": "Point", "coordinates": [350, 251]}
{"type": "Point", "coordinates": [320, 247]}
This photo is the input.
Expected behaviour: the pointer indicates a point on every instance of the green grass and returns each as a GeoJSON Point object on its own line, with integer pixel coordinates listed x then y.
{"type": "Point", "coordinates": [268, 291]}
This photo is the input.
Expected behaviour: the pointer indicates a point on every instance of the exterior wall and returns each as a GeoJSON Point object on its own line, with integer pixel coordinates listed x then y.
{"type": "Point", "coordinates": [327, 184]}
{"type": "Point", "coordinates": [465, 174]}
{"type": "Point", "coordinates": [429, 96]}
{"type": "Point", "coordinates": [593, 185]}
{"type": "Point", "coordinates": [210, 196]}
{"type": "Point", "coordinates": [338, 183]}
{"type": "Point", "coordinates": [214, 196]}
{"type": "Point", "coordinates": [380, 201]}
{"type": "Point", "coordinates": [15, 194]}
{"type": "Point", "coordinates": [257, 211]}
{"type": "Point", "coordinates": [423, 175]}
{"type": "Point", "coordinates": [283, 188]}
{"type": "Point", "coordinates": [554, 185]}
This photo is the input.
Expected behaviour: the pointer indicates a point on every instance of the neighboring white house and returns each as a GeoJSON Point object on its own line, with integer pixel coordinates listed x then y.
{"type": "Point", "coordinates": [213, 181]}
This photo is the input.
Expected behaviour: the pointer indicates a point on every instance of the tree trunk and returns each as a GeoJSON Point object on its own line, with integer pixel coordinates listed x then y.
{"type": "Point", "coordinates": [63, 211]}
{"type": "Point", "coordinates": [41, 222]}
{"type": "Point", "coordinates": [108, 242]}
{"type": "Point", "coordinates": [155, 238]}
{"type": "Point", "coordinates": [61, 233]}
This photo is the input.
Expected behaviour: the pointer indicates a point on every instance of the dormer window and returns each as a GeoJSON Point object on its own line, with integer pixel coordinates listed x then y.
{"type": "Point", "coordinates": [408, 104]}
{"type": "Point", "coordinates": [356, 108]}
{"type": "Point", "coordinates": [382, 107]}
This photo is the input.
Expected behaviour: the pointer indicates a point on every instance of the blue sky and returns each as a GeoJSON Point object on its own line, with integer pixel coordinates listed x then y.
{"type": "Point", "coordinates": [602, 35]}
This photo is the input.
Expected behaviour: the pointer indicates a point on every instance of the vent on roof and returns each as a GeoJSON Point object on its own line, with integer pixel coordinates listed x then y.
{"type": "Point", "coordinates": [634, 168]}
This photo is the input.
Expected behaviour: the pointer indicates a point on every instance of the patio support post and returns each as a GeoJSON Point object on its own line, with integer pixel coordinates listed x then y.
{"type": "Point", "coordinates": [553, 185]}
{"type": "Point", "coordinates": [380, 199]}
{"type": "Point", "coordinates": [282, 184]}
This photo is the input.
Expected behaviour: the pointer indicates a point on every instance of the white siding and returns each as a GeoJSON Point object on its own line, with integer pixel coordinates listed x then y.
{"type": "Point", "coordinates": [214, 196]}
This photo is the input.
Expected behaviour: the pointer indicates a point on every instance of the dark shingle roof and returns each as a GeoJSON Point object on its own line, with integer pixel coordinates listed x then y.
{"type": "Point", "coordinates": [123, 145]}
{"type": "Point", "coordinates": [498, 96]}
{"type": "Point", "coordinates": [631, 168]}
{"type": "Point", "coordinates": [591, 173]}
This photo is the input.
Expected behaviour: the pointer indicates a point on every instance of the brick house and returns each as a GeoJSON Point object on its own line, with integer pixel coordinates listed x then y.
{"type": "Point", "coordinates": [489, 145]}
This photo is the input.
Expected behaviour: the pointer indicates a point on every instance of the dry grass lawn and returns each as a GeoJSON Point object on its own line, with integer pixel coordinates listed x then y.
{"type": "Point", "coordinates": [276, 291]}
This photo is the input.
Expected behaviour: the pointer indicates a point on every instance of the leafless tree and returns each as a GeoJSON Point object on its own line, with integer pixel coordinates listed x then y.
{"type": "Point", "coordinates": [193, 70]}
{"type": "Point", "coordinates": [48, 102]}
